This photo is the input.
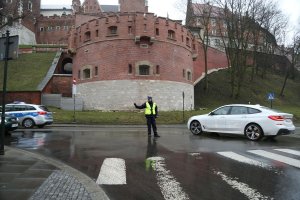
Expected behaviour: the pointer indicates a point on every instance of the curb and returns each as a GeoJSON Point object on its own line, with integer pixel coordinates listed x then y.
{"type": "Point", "coordinates": [95, 191]}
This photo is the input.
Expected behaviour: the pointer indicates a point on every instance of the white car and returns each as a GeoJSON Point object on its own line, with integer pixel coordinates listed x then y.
{"type": "Point", "coordinates": [253, 121]}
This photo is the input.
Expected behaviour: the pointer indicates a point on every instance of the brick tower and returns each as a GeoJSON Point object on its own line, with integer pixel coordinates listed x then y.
{"type": "Point", "coordinates": [76, 6]}
{"type": "Point", "coordinates": [91, 6]}
{"type": "Point", "coordinates": [133, 6]}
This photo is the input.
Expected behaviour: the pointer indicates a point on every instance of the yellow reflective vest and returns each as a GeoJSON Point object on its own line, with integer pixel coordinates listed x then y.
{"type": "Point", "coordinates": [148, 110]}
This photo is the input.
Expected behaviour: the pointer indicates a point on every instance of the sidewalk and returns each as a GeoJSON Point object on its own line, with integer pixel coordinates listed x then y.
{"type": "Point", "coordinates": [25, 175]}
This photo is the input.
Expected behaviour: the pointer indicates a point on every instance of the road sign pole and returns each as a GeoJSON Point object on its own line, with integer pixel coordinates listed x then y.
{"type": "Point", "coordinates": [74, 91]}
{"type": "Point", "coordinates": [183, 106]}
{"type": "Point", "coordinates": [4, 94]}
{"type": "Point", "coordinates": [271, 103]}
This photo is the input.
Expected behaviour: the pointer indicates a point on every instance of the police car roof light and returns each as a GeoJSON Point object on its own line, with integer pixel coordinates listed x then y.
{"type": "Point", "coordinates": [18, 102]}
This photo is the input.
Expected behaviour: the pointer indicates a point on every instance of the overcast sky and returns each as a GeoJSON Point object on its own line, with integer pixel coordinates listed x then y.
{"type": "Point", "coordinates": [170, 7]}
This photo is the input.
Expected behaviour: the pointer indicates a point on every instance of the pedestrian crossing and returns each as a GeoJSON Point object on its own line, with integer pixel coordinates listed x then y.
{"type": "Point", "coordinates": [243, 159]}
{"type": "Point", "coordinates": [113, 170]}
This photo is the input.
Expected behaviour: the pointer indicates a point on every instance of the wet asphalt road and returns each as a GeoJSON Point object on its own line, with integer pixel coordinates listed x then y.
{"type": "Point", "coordinates": [177, 165]}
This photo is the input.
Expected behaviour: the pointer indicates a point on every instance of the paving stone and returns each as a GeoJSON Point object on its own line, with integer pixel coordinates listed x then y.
{"type": "Point", "coordinates": [61, 186]}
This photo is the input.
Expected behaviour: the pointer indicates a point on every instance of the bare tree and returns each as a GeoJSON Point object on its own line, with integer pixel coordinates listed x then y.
{"type": "Point", "coordinates": [236, 16]}
{"type": "Point", "coordinates": [294, 53]}
{"type": "Point", "coordinates": [249, 25]}
{"type": "Point", "coordinates": [199, 16]}
{"type": "Point", "coordinates": [12, 11]}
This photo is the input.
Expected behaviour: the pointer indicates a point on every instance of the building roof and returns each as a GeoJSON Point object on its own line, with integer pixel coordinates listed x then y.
{"type": "Point", "coordinates": [55, 7]}
{"type": "Point", "coordinates": [201, 9]}
{"type": "Point", "coordinates": [110, 8]}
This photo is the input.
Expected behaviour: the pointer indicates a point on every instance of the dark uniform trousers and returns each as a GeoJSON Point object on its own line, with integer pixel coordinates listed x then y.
{"type": "Point", "coordinates": [151, 122]}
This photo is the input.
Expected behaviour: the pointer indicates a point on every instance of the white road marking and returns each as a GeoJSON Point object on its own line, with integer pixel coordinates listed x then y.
{"type": "Point", "coordinates": [280, 158]}
{"type": "Point", "coordinates": [243, 159]}
{"type": "Point", "coordinates": [112, 172]}
{"type": "Point", "coordinates": [242, 187]}
{"type": "Point", "coordinates": [170, 188]}
{"type": "Point", "coordinates": [290, 151]}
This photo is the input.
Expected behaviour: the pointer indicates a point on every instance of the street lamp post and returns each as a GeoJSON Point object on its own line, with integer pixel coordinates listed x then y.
{"type": "Point", "coordinates": [7, 43]}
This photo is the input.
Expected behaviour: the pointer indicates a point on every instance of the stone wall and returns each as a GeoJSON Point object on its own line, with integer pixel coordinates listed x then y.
{"type": "Point", "coordinates": [121, 94]}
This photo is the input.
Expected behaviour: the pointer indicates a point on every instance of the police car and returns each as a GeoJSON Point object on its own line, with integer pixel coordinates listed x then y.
{"type": "Point", "coordinates": [30, 115]}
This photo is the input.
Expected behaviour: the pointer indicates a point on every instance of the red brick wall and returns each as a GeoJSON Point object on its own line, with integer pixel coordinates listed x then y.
{"type": "Point", "coordinates": [112, 54]}
{"type": "Point", "coordinates": [33, 97]}
{"type": "Point", "coordinates": [60, 27]}
{"type": "Point", "coordinates": [59, 84]}
{"type": "Point", "coordinates": [216, 59]}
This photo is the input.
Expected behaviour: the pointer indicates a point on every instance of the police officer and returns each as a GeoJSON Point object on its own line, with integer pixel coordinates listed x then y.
{"type": "Point", "coordinates": [151, 112]}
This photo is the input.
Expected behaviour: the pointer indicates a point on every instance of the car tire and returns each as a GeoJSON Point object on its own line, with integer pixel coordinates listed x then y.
{"type": "Point", "coordinates": [28, 123]}
{"type": "Point", "coordinates": [195, 127]}
{"type": "Point", "coordinates": [7, 133]}
{"type": "Point", "coordinates": [253, 132]}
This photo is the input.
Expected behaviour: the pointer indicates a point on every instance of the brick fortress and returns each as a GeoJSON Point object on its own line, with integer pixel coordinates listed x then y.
{"type": "Point", "coordinates": [121, 56]}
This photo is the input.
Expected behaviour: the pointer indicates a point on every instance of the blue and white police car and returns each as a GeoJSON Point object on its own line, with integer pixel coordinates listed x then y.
{"type": "Point", "coordinates": [30, 115]}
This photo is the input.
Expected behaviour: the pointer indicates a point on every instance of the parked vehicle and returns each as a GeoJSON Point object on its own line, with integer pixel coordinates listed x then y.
{"type": "Point", "coordinates": [30, 115]}
{"type": "Point", "coordinates": [11, 123]}
{"type": "Point", "coordinates": [253, 121]}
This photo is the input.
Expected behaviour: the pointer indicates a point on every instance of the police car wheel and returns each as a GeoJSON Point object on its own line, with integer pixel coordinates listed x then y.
{"type": "Point", "coordinates": [28, 123]}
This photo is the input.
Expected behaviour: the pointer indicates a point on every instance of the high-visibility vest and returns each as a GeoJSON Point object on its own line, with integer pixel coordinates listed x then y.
{"type": "Point", "coordinates": [148, 109]}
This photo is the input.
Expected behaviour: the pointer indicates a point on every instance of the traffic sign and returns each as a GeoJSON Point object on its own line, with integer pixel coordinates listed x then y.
{"type": "Point", "coordinates": [13, 49]}
{"type": "Point", "coordinates": [271, 96]}
{"type": "Point", "coordinates": [74, 88]}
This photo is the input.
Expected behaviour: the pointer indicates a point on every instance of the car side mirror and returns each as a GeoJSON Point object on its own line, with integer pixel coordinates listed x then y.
{"type": "Point", "coordinates": [212, 113]}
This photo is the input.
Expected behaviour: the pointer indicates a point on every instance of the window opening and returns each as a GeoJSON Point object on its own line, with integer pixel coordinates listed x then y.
{"type": "Point", "coordinates": [144, 70]}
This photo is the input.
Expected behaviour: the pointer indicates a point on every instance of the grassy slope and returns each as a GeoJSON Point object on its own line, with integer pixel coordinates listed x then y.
{"type": "Point", "coordinates": [253, 91]}
{"type": "Point", "coordinates": [26, 72]}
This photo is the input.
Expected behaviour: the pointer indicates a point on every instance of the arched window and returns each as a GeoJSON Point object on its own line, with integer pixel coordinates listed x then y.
{"type": "Point", "coordinates": [157, 31]}
{"type": "Point", "coordinates": [96, 71]}
{"type": "Point", "coordinates": [79, 75]}
{"type": "Point", "coordinates": [189, 75]}
{"type": "Point", "coordinates": [144, 70]}
{"type": "Point", "coordinates": [188, 41]}
{"type": "Point", "coordinates": [129, 69]}
{"type": "Point", "coordinates": [112, 30]}
{"type": "Point", "coordinates": [87, 36]}
{"type": "Point", "coordinates": [86, 73]}
{"type": "Point", "coordinates": [157, 69]}
{"type": "Point", "coordinates": [30, 5]}
{"type": "Point", "coordinates": [171, 34]}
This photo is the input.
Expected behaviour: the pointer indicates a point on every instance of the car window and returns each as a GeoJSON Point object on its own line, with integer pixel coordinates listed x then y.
{"type": "Point", "coordinates": [30, 108]}
{"type": "Point", "coordinates": [19, 108]}
{"type": "Point", "coordinates": [238, 110]}
{"type": "Point", "coordinates": [8, 108]}
{"type": "Point", "coordinates": [253, 111]}
{"type": "Point", "coordinates": [44, 108]}
{"type": "Point", "coordinates": [222, 111]}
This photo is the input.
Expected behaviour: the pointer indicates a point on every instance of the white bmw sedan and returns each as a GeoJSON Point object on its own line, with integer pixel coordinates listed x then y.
{"type": "Point", "coordinates": [253, 121]}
